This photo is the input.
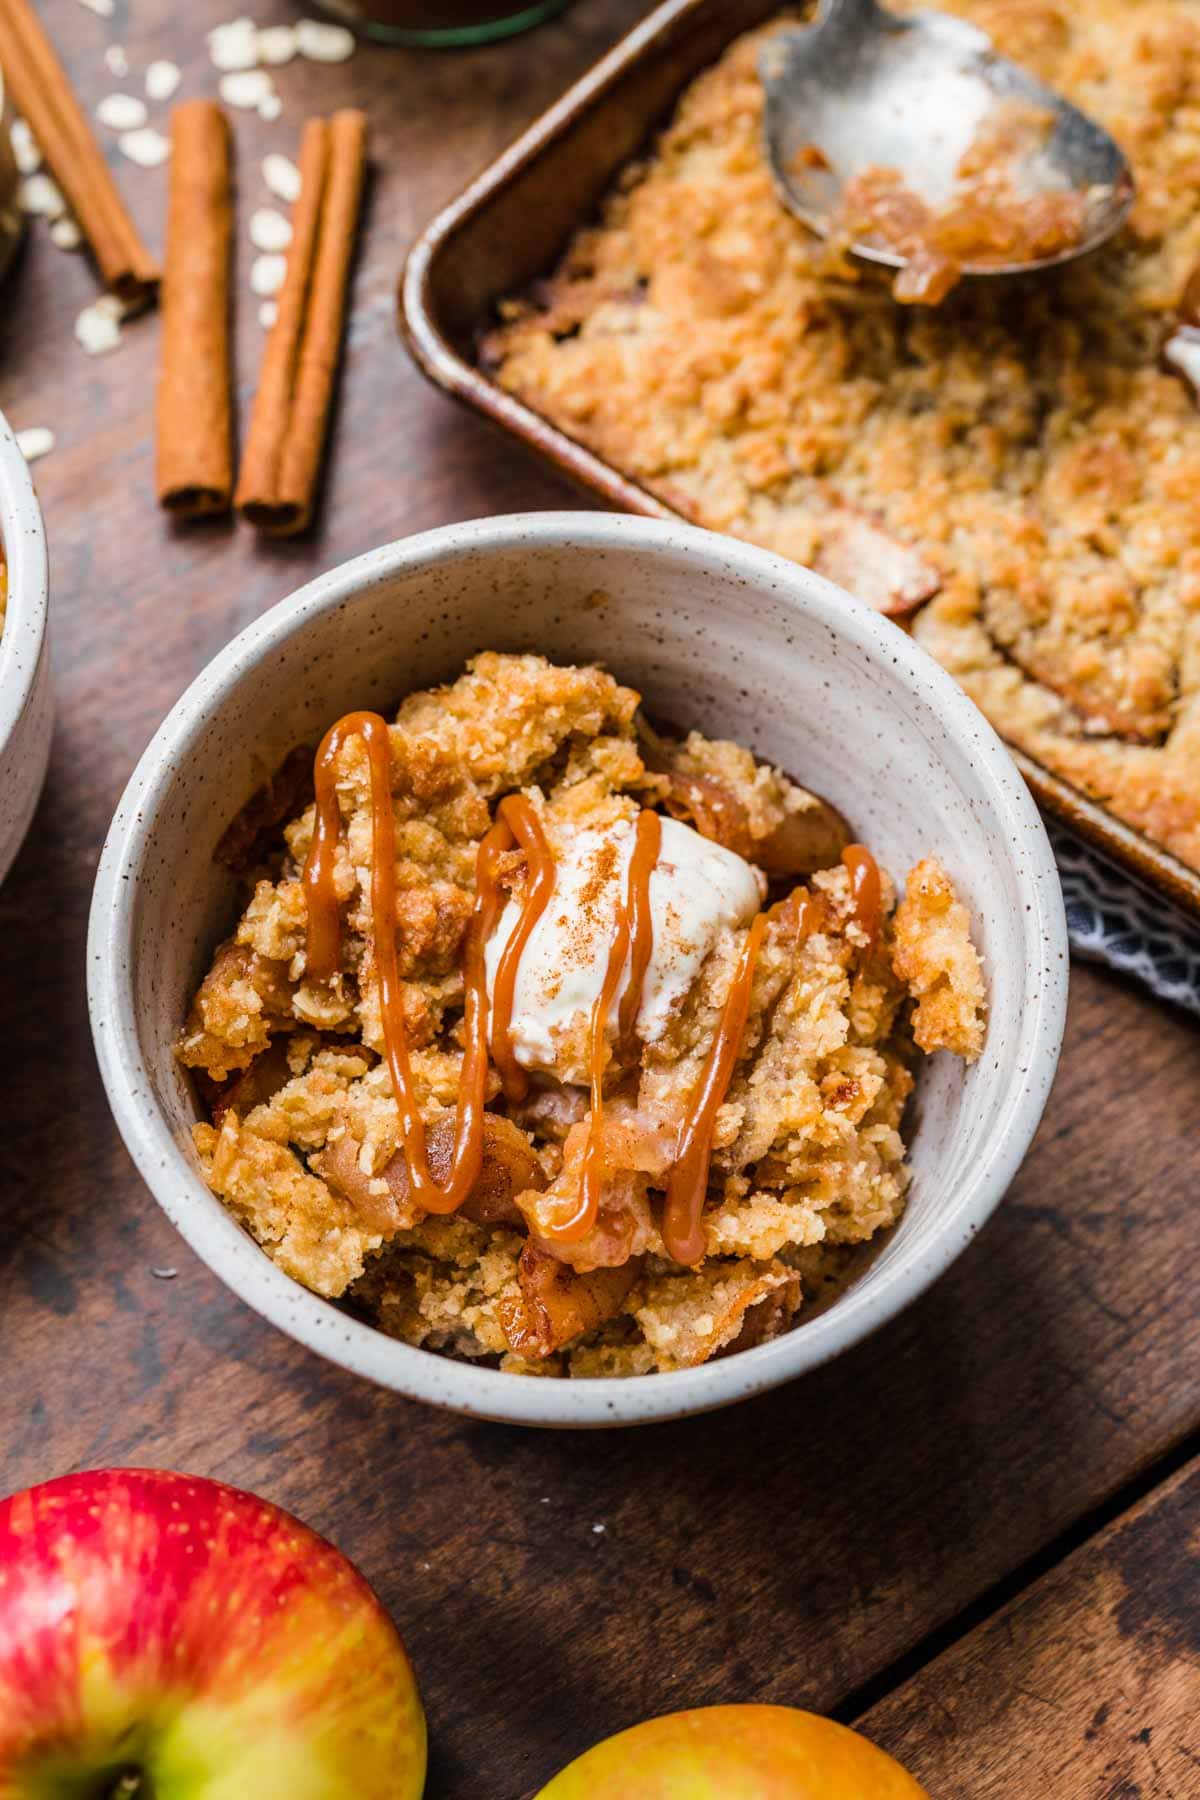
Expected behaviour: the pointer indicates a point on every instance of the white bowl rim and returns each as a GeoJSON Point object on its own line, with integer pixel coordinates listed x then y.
{"type": "Point", "coordinates": [24, 539]}
{"type": "Point", "coordinates": [462, 1386]}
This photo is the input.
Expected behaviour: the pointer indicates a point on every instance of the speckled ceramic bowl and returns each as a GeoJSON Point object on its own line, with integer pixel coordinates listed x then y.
{"type": "Point", "coordinates": [25, 711]}
{"type": "Point", "coordinates": [713, 632]}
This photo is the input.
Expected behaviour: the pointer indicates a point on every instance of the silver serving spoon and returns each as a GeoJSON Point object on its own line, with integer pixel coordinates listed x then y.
{"type": "Point", "coordinates": [868, 89]}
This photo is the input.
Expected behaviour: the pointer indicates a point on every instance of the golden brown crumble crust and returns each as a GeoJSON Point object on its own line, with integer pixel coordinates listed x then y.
{"type": "Point", "coordinates": [303, 1144]}
{"type": "Point", "coordinates": [1022, 441]}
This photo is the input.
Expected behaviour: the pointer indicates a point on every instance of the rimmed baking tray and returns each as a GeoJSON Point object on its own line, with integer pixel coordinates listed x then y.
{"type": "Point", "coordinates": [511, 225]}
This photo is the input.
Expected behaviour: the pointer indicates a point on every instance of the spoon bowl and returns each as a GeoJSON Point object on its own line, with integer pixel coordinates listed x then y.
{"type": "Point", "coordinates": [861, 89]}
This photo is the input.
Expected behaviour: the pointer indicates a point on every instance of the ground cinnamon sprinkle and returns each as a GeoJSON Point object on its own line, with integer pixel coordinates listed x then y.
{"type": "Point", "coordinates": [195, 455]}
{"type": "Point", "coordinates": [278, 477]}
{"type": "Point", "coordinates": [43, 96]}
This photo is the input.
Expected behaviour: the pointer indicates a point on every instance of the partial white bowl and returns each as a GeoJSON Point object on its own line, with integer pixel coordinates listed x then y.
{"type": "Point", "coordinates": [714, 633]}
{"type": "Point", "coordinates": [26, 719]}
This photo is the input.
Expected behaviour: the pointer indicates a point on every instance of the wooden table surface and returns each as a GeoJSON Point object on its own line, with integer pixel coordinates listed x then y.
{"type": "Point", "coordinates": [980, 1530]}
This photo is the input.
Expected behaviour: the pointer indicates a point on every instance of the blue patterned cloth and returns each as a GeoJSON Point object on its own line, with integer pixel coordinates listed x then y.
{"type": "Point", "coordinates": [1112, 920]}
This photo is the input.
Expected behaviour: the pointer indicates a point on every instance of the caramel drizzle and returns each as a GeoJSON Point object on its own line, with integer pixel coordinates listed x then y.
{"type": "Point", "coordinates": [517, 818]}
{"type": "Point", "coordinates": [517, 823]}
{"type": "Point", "coordinates": [634, 924]}
{"type": "Point", "coordinates": [687, 1184]}
{"type": "Point", "coordinates": [324, 956]}
{"type": "Point", "coordinates": [646, 849]}
{"type": "Point", "coordinates": [866, 890]}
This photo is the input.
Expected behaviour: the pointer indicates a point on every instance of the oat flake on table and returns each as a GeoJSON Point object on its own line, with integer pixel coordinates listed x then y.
{"type": "Point", "coordinates": [42, 196]}
{"type": "Point", "coordinates": [162, 78]}
{"type": "Point", "coordinates": [65, 233]}
{"type": "Point", "coordinates": [246, 88]}
{"type": "Point", "coordinates": [103, 9]}
{"type": "Point", "coordinates": [266, 275]}
{"type": "Point", "coordinates": [25, 148]}
{"type": "Point", "coordinates": [116, 61]}
{"type": "Point", "coordinates": [321, 42]}
{"type": "Point", "coordinates": [270, 107]}
{"type": "Point", "coordinates": [147, 147]}
{"type": "Point", "coordinates": [98, 327]}
{"type": "Point", "coordinates": [269, 230]}
{"type": "Point", "coordinates": [277, 45]}
{"type": "Point", "coordinates": [37, 441]}
{"type": "Point", "coordinates": [282, 177]}
{"type": "Point", "coordinates": [235, 45]}
{"type": "Point", "coordinates": [121, 112]}
{"type": "Point", "coordinates": [268, 312]}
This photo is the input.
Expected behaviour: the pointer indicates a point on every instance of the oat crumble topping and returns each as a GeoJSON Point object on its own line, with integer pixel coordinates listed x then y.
{"type": "Point", "coordinates": [303, 1139]}
{"type": "Point", "coordinates": [1022, 448]}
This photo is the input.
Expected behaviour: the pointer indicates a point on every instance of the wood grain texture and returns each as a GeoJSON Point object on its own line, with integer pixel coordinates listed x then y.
{"type": "Point", "coordinates": [788, 1550]}
{"type": "Point", "coordinates": [1087, 1686]}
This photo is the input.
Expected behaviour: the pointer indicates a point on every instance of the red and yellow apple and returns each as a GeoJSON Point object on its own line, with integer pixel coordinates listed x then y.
{"type": "Point", "coordinates": [735, 1753]}
{"type": "Point", "coordinates": [166, 1637]}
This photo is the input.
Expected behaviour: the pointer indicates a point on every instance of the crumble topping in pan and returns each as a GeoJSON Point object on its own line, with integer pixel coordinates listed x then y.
{"type": "Point", "coordinates": [1018, 467]}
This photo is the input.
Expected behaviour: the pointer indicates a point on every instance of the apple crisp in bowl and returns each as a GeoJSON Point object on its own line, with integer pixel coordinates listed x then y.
{"type": "Point", "coordinates": [546, 1038]}
{"type": "Point", "coordinates": [757, 1148]}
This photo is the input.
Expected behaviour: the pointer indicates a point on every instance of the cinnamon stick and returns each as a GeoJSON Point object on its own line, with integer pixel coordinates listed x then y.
{"type": "Point", "coordinates": [282, 460]}
{"type": "Point", "coordinates": [42, 94]}
{"type": "Point", "coordinates": [195, 454]}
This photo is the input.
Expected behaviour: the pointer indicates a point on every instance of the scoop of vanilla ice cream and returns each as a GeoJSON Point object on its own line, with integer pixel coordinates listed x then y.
{"type": "Point", "coordinates": [697, 890]}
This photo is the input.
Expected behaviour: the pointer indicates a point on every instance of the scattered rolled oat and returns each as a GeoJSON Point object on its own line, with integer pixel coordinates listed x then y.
{"type": "Point", "coordinates": [103, 9]}
{"type": "Point", "coordinates": [25, 149]}
{"type": "Point", "coordinates": [268, 312]}
{"type": "Point", "coordinates": [269, 230]}
{"type": "Point", "coordinates": [245, 88]}
{"type": "Point", "coordinates": [270, 107]}
{"type": "Point", "coordinates": [164, 1274]}
{"type": "Point", "coordinates": [282, 177]}
{"type": "Point", "coordinates": [42, 195]}
{"type": "Point", "coordinates": [234, 46]}
{"type": "Point", "coordinates": [162, 78]}
{"type": "Point", "coordinates": [116, 61]}
{"type": "Point", "coordinates": [37, 441]}
{"type": "Point", "coordinates": [266, 275]}
{"type": "Point", "coordinates": [98, 327]}
{"type": "Point", "coordinates": [121, 112]}
{"type": "Point", "coordinates": [322, 42]}
{"type": "Point", "coordinates": [65, 233]}
{"type": "Point", "coordinates": [147, 147]}
{"type": "Point", "coordinates": [276, 44]}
